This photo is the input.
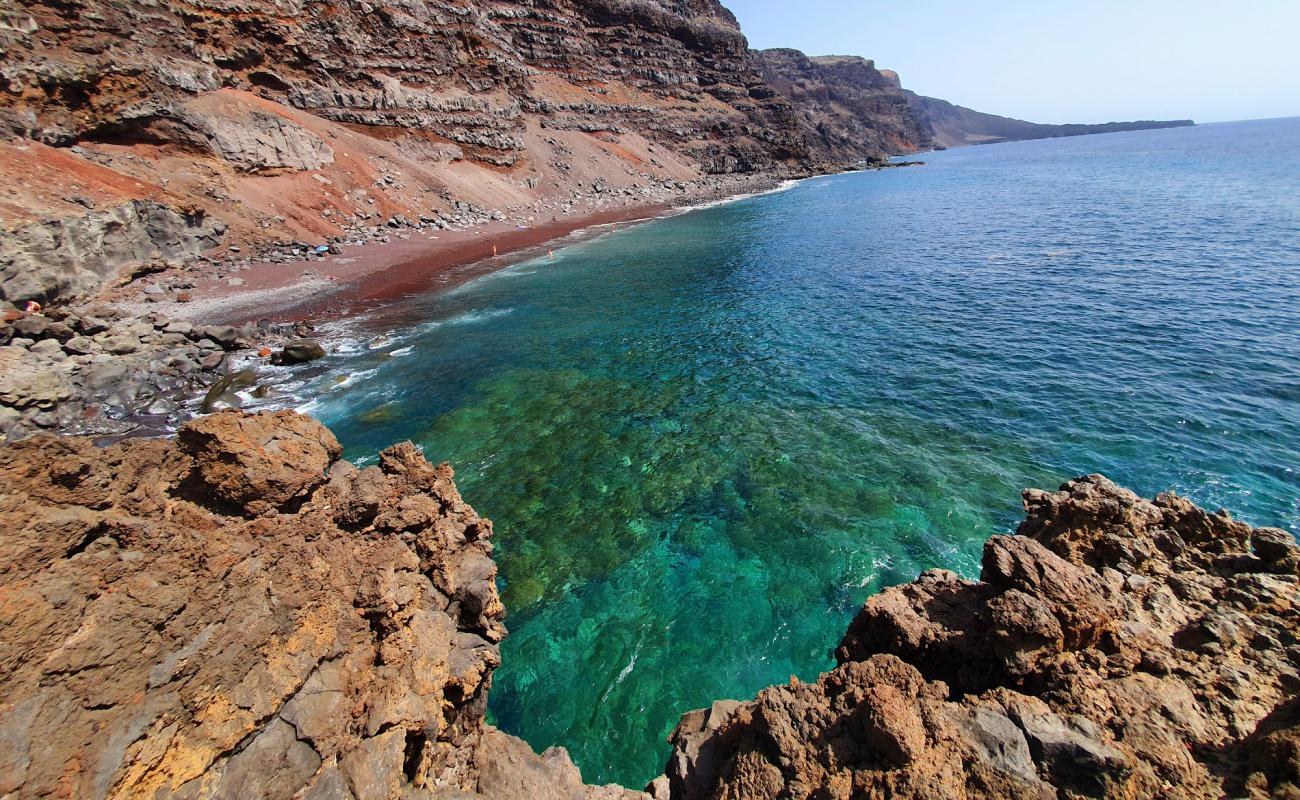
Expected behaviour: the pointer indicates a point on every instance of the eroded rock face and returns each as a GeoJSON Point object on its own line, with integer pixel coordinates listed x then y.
{"type": "Point", "coordinates": [168, 634]}
{"type": "Point", "coordinates": [847, 109]}
{"type": "Point", "coordinates": [1115, 647]}
{"type": "Point", "coordinates": [73, 256]}
{"type": "Point", "coordinates": [470, 73]}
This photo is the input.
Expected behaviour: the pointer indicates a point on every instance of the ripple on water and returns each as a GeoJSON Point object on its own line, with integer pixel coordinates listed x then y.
{"type": "Point", "coordinates": [705, 440]}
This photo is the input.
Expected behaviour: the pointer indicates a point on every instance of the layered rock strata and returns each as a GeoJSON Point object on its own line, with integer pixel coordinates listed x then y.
{"type": "Point", "coordinates": [1114, 647]}
{"type": "Point", "coordinates": [848, 110]}
{"type": "Point", "coordinates": [282, 121]}
{"type": "Point", "coordinates": [239, 614]}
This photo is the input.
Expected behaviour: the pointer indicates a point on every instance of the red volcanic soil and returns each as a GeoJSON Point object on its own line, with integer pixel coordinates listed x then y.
{"type": "Point", "coordinates": [364, 276]}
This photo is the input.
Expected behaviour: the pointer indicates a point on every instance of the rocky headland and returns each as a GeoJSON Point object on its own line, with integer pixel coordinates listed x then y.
{"type": "Point", "coordinates": [848, 110]}
{"type": "Point", "coordinates": [237, 613]}
{"type": "Point", "coordinates": [952, 125]}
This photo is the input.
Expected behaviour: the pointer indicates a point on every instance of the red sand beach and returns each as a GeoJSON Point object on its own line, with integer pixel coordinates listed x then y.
{"type": "Point", "coordinates": [363, 276]}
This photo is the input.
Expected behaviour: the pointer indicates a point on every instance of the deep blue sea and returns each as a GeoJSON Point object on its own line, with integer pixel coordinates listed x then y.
{"type": "Point", "coordinates": [706, 439]}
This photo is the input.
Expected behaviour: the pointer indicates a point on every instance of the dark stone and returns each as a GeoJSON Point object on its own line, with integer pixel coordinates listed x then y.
{"type": "Point", "coordinates": [299, 351]}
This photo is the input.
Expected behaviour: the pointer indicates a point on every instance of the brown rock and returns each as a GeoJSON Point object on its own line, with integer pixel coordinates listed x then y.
{"type": "Point", "coordinates": [257, 462]}
{"type": "Point", "coordinates": [1116, 648]}
{"type": "Point", "coordinates": [157, 646]}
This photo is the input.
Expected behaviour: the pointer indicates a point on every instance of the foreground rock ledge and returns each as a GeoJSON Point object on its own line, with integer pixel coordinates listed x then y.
{"type": "Point", "coordinates": [239, 614]}
{"type": "Point", "coordinates": [1114, 647]}
{"type": "Point", "coordinates": [215, 617]}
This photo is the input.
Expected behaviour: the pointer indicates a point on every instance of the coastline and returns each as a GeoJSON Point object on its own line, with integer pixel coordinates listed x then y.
{"type": "Point", "coordinates": [359, 277]}
{"type": "Point", "coordinates": [370, 275]}
{"type": "Point", "coordinates": [137, 358]}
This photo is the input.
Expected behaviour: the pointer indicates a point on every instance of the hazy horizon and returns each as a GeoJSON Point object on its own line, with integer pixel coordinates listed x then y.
{"type": "Point", "coordinates": [1064, 62]}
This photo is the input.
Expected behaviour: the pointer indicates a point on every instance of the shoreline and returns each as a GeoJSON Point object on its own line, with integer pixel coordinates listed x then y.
{"type": "Point", "coordinates": [368, 276]}
{"type": "Point", "coordinates": [136, 359]}
{"type": "Point", "coordinates": [355, 278]}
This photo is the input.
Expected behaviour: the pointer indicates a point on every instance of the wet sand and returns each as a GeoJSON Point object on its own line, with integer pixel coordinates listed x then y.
{"type": "Point", "coordinates": [368, 275]}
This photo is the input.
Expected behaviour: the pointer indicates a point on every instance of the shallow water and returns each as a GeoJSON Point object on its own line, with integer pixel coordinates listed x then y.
{"type": "Point", "coordinates": [706, 439]}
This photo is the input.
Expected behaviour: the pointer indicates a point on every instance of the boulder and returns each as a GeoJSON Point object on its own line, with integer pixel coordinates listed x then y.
{"type": "Point", "coordinates": [159, 643]}
{"type": "Point", "coordinates": [259, 462]}
{"type": "Point", "coordinates": [299, 351]}
{"type": "Point", "coordinates": [1115, 647]}
{"type": "Point", "coordinates": [69, 257]}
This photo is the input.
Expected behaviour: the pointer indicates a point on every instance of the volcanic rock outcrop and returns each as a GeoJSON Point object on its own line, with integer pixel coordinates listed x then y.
{"type": "Point", "coordinates": [281, 121]}
{"type": "Point", "coordinates": [1114, 647]}
{"type": "Point", "coordinates": [239, 614]}
{"type": "Point", "coordinates": [848, 110]}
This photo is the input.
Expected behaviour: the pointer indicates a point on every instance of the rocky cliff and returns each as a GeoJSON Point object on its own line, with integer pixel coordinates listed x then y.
{"type": "Point", "coordinates": [848, 110]}
{"type": "Point", "coordinates": [954, 126]}
{"type": "Point", "coordinates": [280, 120]}
{"type": "Point", "coordinates": [140, 135]}
{"type": "Point", "coordinates": [239, 614]}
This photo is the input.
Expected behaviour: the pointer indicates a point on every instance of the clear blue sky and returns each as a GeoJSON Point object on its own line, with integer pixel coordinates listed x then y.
{"type": "Point", "coordinates": [1061, 60]}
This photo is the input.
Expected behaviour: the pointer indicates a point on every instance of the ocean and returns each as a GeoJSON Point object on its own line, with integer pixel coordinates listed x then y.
{"type": "Point", "coordinates": [706, 439]}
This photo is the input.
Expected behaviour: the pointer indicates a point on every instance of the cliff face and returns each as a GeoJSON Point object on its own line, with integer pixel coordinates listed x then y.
{"type": "Point", "coordinates": [238, 614]}
{"type": "Point", "coordinates": [955, 126]}
{"type": "Point", "coordinates": [277, 120]}
{"type": "Point", "coordinates": [848, 110]}
{"type": "Point", "coordinates": [470, 76]}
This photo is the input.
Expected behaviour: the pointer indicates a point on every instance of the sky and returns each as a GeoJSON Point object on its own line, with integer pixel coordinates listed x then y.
{"type": "Point", "coordinates": [1061, 60]}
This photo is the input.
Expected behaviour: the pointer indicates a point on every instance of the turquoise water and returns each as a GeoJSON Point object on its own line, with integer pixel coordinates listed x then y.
{"type": "Point", "coordinates": [705, 440]}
